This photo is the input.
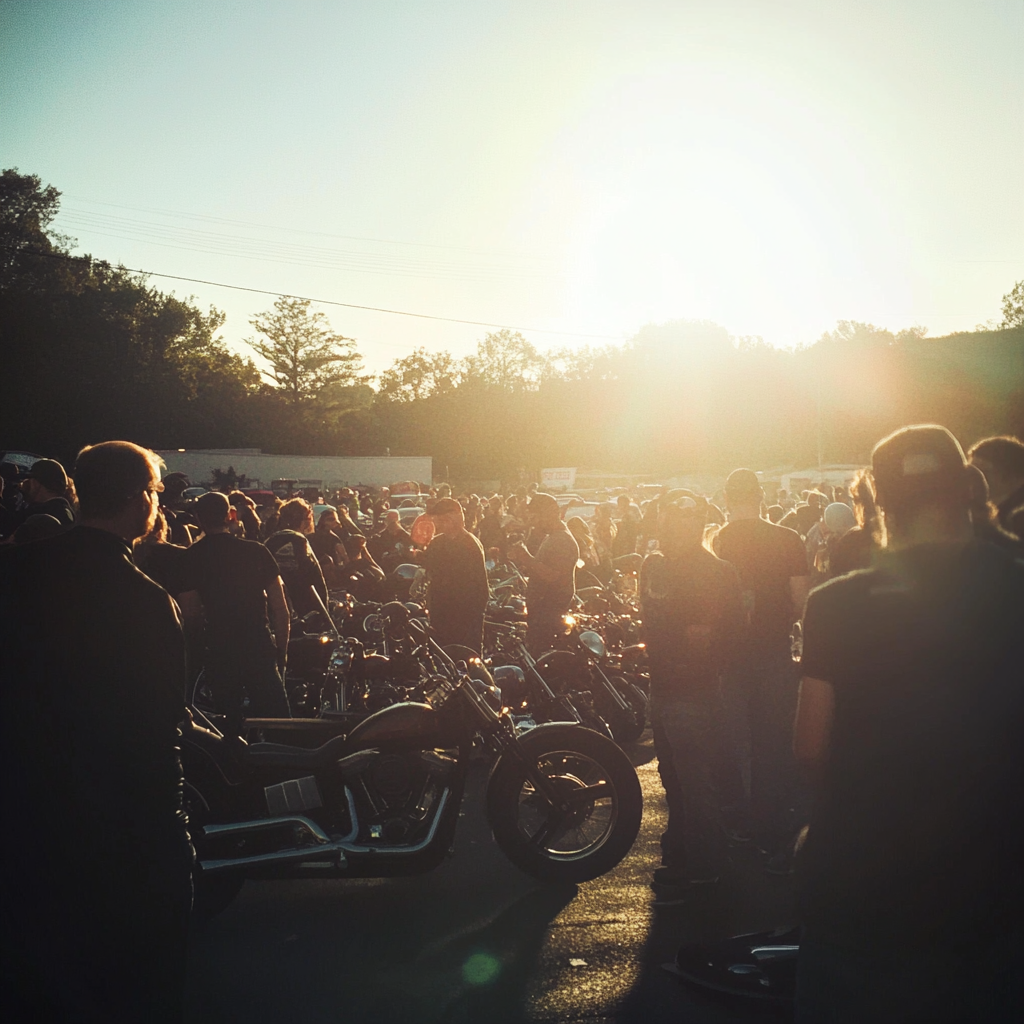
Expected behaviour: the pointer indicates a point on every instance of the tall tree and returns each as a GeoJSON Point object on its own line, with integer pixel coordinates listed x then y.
{"type": "Point", "coordinates": [505, 359]}
{"type": "Point", "coordinates": [304, 353]}
{"type": "Point", "coordinates": [1013, 307]}
{"type": "Point", "coordinates": [418, 375]}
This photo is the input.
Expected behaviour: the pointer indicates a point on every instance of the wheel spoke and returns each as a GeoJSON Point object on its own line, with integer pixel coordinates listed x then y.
{"type": "Point", "coordinates": [588, 793]}
{"type": "Point", "coordinates": [551, 824]}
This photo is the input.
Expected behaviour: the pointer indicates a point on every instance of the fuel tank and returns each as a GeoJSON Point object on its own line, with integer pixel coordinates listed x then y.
{"type": "Point", "coordinates": [406, 725]}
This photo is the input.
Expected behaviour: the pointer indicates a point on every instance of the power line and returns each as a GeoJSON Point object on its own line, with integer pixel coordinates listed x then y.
{"type": "Point", "coordinates": [334, 302]}
{"type": "Point", "coordinates": [302, 231]}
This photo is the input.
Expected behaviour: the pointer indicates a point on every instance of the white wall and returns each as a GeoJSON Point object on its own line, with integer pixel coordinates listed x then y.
{"type": "Point", "coordinates": [199, 464]}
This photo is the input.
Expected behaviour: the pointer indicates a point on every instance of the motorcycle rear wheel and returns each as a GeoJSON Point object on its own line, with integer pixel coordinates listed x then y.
{"type": "Point", "coordinates": [605, 802]}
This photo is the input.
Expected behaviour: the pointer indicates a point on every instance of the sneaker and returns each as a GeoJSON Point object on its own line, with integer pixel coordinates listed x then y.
{"type": "Point", "coordinates": [667, 876]}
{"type": "Point", "coordinates": [680, 893]}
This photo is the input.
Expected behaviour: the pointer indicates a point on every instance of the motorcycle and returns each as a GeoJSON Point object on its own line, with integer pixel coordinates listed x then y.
{"type": "Point", "coordinates": [586, 666]}
{"type": "Point", "coordinates": [382, 798]}
{"type": "Point", "coordinates": [525, 689]}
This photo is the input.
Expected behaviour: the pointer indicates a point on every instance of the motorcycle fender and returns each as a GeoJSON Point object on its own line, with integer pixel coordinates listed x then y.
{"type": "Point", "coordinates": [539, 738]}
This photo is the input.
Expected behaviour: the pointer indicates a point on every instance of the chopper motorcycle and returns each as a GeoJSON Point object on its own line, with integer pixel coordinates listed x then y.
{"type": "Point", "coordinates": [564, 803]}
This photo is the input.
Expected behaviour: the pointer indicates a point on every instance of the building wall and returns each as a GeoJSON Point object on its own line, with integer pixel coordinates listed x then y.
{"type": "Point", "coordinates": [332, 471]}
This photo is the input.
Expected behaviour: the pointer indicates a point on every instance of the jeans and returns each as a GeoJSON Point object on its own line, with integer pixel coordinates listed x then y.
{"type": "Point", "coordinates": [233, 674]}
{"type": "Point", "coordinates": [686, 738]}
{"type": "Point", "coordinates": [760, 695]}
{"type": "Point", "coordinates": [852, 984]}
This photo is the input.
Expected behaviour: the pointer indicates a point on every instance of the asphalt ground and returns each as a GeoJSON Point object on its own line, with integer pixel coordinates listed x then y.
{"type": "Point", "coordinates": [477, 940]}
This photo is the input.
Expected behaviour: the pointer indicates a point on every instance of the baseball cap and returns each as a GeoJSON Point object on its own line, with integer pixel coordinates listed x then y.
{"type": "Point", "coordinates": [445, 507]}
{"type": "Point", "coordinates": [917, 463]}
{"type": "Point", "coordinates": [839, 518]}
{"type": "Point", "coordinates": [50, 474]}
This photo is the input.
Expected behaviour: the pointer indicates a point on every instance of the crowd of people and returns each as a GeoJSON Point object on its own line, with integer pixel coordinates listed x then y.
{"type": "Point", "coordinates": [835, 679]}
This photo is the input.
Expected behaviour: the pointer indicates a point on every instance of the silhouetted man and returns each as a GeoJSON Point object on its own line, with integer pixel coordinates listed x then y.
{"type": "Point", "coordinates": [912, 711]}
{"type": "Point", "coordinates": [45, 489]}
{"type": "Point", "coordinates": [391, 546]}
{"type": "Point", "coordinates": [236, 582]}
{"type": "Point", "coordinates": [1001, 460]}
{"type": "Point", "coordinates": [96, 878]}
{"type": "Point", "coordinates": [551, 572]}
{"type": "Point", "coordinates": [693, 618]}
{"type": "Point", "coordinates": [458, 593]}
{"type": "Point", "coordinates": [761, 687]}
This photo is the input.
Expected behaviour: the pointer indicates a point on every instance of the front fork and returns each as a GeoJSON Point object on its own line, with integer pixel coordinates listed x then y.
{"type": "Point", "coordinates": [502, 738]}
{"type": "Point", "coordinates": [612, 689]}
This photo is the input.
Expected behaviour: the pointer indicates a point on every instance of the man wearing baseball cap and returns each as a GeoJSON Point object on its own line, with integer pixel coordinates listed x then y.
{"type": "Point", "coordinates": [912, 713]}
{"type": "Point", "coordinates": [45, 489]}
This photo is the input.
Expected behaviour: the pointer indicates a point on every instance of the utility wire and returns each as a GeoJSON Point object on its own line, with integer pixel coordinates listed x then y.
{"type": "Point", "coordinates": [327, 302]}
{"type": "Point", "coordinates": [295, 230]}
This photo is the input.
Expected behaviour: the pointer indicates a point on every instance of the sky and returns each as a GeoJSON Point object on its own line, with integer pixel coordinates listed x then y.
{"type": "Point", "coordinates": [574, 170]}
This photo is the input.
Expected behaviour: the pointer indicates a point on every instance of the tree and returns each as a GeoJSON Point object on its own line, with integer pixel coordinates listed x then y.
{"type": "Point", "coordinates": [505, 359]}
{"type": "Point", "coordinates": [1013, 307]}
{"type": "Point", "coordinates": [419, 375]}
{"type": "Point", "coordinates": [305, 355]}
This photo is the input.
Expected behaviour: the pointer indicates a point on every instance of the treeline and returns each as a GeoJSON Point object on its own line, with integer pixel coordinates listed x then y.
{"type": "Point", "coordinates": [92, 352]}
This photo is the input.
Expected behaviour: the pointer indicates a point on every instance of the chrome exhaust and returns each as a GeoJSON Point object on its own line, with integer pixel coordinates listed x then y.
{"type": "Point", "coordinates": [321, 848]}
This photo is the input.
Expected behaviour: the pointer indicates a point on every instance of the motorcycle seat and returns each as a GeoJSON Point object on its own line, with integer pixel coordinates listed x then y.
{"type": "Point", "coordinates": [280, 755]}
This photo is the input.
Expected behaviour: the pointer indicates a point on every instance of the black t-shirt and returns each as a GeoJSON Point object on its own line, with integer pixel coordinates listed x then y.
{"type": "Point", "coordinates": [299, 569]}
{"type": "Point", "coordinates": [546, 599]}
{"type": "Point", "coordinates": [232, 577]}
{"type": "Point", "coordinates": [766, 556]}
{"type": "Point", "coordinates": [804, 517]}
{"type": "Point", "coordinates": [492, 535]}
{"type": "Point", "coordinates": [854, 550]}
{"type": "Point", "coordinates": [458, 581]}
{"type": "Point", "coordinates": [163, 564]}
{"type": "Point", "coordinates": [390, 549]}
{"type": "Point", "coordinates": [918, 831]}
{"type": "Point", "coordinates": [693, 618]}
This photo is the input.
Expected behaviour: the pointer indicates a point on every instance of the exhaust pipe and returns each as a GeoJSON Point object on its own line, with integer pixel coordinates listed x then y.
{"type": "Point", "coordinates": [321, 846]}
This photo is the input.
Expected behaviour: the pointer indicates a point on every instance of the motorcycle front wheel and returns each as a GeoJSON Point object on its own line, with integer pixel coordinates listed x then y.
{"type": "Point", "coordinates": [600, 819]}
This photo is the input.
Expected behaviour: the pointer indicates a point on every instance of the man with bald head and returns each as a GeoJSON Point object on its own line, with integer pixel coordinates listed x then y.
{"type": "Point", "coordinates": [458, 593]}
{"type": "Point", "coordinates": [551, 572]}
{"type": "Point", "coordinates": [92, 686]}
{"type": "Point", "coordinates": [390, 546]}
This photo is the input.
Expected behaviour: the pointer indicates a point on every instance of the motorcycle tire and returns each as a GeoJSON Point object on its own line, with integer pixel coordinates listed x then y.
{"type": "Point", "coordinates": [211, 894]}
{"type": "Point", "coordinates": [600, 830]}
{"type": "Point", "coordinates": [202, 696]}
